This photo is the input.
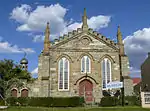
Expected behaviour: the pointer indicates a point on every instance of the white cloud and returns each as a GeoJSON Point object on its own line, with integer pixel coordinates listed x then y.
{"type": "Point", "coordinates": [35, 71]}
{"type": "Point", "coordinates": [21, 13]}
{"type": "Point", "coordinates": [35, 20]}
{"type": "Point", "coordinates": [38, 18]}
{"type": "Point", "coordinates": [137, 46]}
{"type": "Point", "coordinates": [38, 38]}
{"type": "Point", "coordinates": [95, 22]}
{"type": "Point", "coordinates": [135, 72]}
{"type": "Point", "coordinates": [100, 21]}
{"type": "Point", "coordinates": [6, 47]}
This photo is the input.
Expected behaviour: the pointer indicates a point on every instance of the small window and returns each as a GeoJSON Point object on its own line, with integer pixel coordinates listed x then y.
{"type": "Point", "coordinates": [85, 64]}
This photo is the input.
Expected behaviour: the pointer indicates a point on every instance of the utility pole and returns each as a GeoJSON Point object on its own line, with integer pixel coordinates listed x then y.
{"type": "Point", "coordinates": [121, 53]}
{"type": "Point", "coordinates": [50, 78]}
{"type": "Point", "coordinates": [122, 80]}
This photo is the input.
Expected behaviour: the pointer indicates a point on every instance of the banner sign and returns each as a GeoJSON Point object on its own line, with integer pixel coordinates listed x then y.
{"type": "Point", "coordinates": [114, 85]}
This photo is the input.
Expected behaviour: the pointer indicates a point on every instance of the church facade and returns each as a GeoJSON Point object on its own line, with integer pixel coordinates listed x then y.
{"type": "Point", "coordinates": [80, 63]}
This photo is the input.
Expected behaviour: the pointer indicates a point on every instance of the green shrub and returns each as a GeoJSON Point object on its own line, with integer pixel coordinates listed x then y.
{"type": "Point", "coordinates": [47, 101]}
{"type": "Point", "coordinates": [2, 103]}
{"type": "Point", "coordinates": [40, 101]}
{"type": "Point", "coordinates": [13, 101]}
{"type": "Point", "coordinates": [109, 101]}
{"type": "Point", "coordinates": [23, 101]}
{"type": "Point", "coordinates": [132, 100]}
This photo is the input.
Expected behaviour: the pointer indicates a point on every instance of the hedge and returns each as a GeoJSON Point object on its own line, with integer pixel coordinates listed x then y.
{"type": "Point", "coordinates": [114, 101]}
{"type": "Point", "coordinates": [46, 101]}
{"type": "Point", "coordinates": [109, 101]}
{"type": "Point", "coordinates": [132, 100]}
{"type": "Point", "coordinates": [2, 103]}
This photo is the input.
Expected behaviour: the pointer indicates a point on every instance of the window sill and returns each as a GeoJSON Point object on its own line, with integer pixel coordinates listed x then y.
{"type": "Point", "coordinates": [63, 90]}
{"type": "Point", "coordinates": [85, 72]}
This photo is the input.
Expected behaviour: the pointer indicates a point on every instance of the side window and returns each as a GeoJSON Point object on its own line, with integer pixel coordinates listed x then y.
{"type": "Point", "coordinates": [106, 72]}
{"type": "Point", "coordinates": [63, 74]}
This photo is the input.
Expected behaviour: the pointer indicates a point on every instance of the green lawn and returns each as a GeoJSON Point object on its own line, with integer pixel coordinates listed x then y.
{"type": "Point", "coordinates": [76, 109]}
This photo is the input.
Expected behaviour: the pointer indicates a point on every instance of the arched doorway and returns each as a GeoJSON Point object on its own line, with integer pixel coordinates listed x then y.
{"type": "Point", "coordinates": [24, 93]}
{"type": "Point", "coordinates": [14, 92]}
{"type": "Point", "coordinates": [86, 90]}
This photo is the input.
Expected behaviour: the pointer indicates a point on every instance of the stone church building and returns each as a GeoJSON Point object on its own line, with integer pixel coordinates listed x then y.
{"type": "Point", "coordinates": [80, 63]}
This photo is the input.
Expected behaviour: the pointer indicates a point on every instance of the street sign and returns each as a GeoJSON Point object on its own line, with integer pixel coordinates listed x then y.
{"type": "Point", "coordinates": [114, 85]}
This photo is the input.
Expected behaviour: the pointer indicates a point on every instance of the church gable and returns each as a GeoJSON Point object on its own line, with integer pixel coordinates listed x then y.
{"type": "Point", "coordinates": [84, 40]}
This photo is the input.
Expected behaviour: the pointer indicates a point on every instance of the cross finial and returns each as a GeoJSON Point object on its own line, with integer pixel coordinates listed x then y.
{"type": "Point", "coordinates": [84, 21]}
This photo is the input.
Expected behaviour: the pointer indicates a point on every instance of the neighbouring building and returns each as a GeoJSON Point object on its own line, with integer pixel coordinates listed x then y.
{"type": "Point", "coordinates": [136, 85]}
{"type": "Point", "coordinates": [79, 63]}
{"type": "Point", "coordinates": [145, 82]}
{"type": "Point", "coordinates": [145, 74]}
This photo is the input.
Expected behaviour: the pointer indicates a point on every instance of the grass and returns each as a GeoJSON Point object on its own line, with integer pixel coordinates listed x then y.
{"type": "Point", "coordinates": [77, 109]}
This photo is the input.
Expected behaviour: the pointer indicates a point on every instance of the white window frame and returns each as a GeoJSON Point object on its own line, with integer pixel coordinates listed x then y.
{"type": "Point", "coordinates": [85, 65]}
{"type": "Point", "coordinates": [63, 89]}
{"type": "Point", "coordinates": [105, 60]}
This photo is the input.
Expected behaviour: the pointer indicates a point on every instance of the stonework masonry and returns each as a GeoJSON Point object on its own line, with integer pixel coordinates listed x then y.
{"type": "Point", "coordinates": [74, 50]}
{"type": "Point", "coordinates": [73, 46]}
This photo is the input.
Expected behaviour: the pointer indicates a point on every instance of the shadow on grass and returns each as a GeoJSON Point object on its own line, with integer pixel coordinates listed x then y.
{"type": "Point", "coordinates": [131, 108]}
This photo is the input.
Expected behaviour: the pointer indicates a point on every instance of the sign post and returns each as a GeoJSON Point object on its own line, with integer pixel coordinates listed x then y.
{"type": "Point", "coordinates": [114, 85]}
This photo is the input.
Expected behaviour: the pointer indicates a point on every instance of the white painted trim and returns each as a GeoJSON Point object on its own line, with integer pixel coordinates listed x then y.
{"type": "Point", "coordinates": [58, 73]}
{"type": "Point", "coordinates": [63, 59]}
{"type": "Point", "coordinates": [89, 65]}
{"type": "Point", "coordinates": [81, 65]}
{"type": "Point", "coordinates": [23, 89]}
{"type": "Point", "coordinates": [85, 64]}
{"type": "Point", "coordinates": [106, 75]}
{"type": "Point", "coordinates": [14, 88]}
{"type": "Point", "coordinates": [110, 70]}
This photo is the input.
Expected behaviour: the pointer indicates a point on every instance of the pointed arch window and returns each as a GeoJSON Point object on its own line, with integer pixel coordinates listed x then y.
{"type": "Point", "coordinates": [63, 74]}
{"type": "Point", "coordinates": [85, 64]}
{"type": "Point", "coordinates": [106, 72]}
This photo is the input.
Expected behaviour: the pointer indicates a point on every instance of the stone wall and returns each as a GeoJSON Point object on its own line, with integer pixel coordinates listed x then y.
{"type": "Point", "coordinates": [74, 50]}
{"type": "Point", "coordinates": [128, 83]}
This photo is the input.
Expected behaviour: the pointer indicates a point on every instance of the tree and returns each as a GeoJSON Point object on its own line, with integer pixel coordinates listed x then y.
{"type": "Point", "coordinates": [9, 70]}
{"type": "Point", "coordinates": [11, 75]}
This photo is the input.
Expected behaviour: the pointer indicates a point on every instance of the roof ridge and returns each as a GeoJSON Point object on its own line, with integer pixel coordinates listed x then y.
{"type": "Point", "coordinates": [79, 30]}
{"type": "Point", "coordinates": [104, 38]}
{"type": "Point", "coordinates": [66, 36]}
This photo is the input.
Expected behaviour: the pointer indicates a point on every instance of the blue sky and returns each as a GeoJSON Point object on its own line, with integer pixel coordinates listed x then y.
{"type": "Point", "coordinates": [22, 24]}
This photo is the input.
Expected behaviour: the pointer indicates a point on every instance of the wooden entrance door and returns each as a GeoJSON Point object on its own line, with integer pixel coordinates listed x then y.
{"type": "Point", "coordinates": [14, 93]}
{"type": "Point", "coordinates": [86, 90]}
{"type": "Point", "coordinates": [24, 93]}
